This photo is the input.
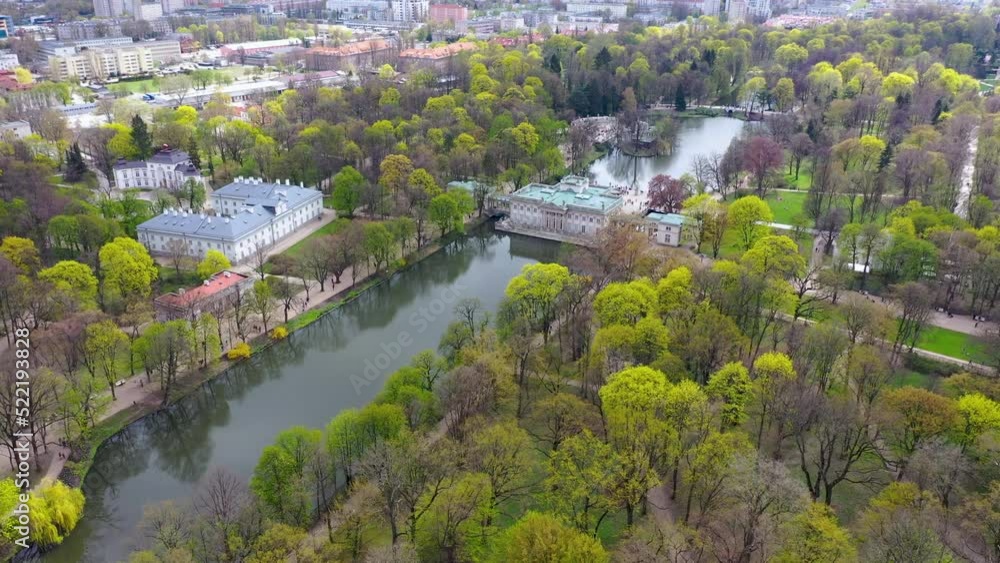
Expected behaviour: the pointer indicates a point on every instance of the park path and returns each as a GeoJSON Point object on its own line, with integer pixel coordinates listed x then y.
{"type": "Point", "coordinates": [965, 188]}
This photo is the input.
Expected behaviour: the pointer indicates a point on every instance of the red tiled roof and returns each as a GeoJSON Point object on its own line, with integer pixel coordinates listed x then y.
{"type": "Point", "coordinates": [218, 282]}
{"type": "Point", "coordinates": [358, 48]}
{"type": "Point", "coordinates": [438, 52]}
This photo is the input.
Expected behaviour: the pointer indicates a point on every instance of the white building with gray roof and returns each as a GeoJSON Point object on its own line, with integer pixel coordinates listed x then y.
{"type": "Point", "coordinates": [167, 168]}
{"type": "Point", "coordinates": [252, 213]}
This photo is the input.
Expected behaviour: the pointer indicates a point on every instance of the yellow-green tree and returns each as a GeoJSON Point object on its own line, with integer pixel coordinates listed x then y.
{"type": "Point", "coordinates": [214, 261]}
{"type": "Point", "coordinates": [56, 508]}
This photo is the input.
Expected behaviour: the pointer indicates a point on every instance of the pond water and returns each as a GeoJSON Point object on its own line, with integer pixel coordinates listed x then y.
{"type": "Point", "coordinates": [697, 136]}
{"type": "Point", "coordinates": [304, 380]}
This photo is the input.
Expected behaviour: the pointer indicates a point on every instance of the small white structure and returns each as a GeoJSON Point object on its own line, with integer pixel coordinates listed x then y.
{"type": "Point", "coordinates": [253, 214]}
{"type": "Point", "coordinates": [168, 168]}
{"type": "Point", "coordinates": [15, 129]}
{"type": "Point", "coordinates": [666, 228]}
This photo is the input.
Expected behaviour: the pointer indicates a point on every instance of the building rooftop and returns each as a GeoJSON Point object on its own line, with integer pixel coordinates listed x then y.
{"type": "Point", "coordinates": [183, 222]}
{"type": "Point", "coordinates": [572, 191]}
{"type": "Point", "coordinates": [219, 282]}
{"type": "Point", "coordinates": [357, 48]}
{"type": "Point", "coordinates": [436, 53]}
{"type": "Point", "coordinates": [261, 194]}
{"type": "Point", "coordinates": [667, 218]}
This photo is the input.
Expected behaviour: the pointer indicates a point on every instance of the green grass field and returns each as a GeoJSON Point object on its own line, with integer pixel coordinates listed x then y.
{"type": "Point", "coordinates": [803, 181]}
{"type": "Point", "coordinates": [786, 205]}
{"type": "Point", "coordinates": [331, 228]}
{"type": "Point", "coordinates": [952, 343]}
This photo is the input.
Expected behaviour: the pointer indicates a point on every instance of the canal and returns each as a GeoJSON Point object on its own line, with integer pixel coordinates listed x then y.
{"type": "Point", "coordinates": [304, 380]}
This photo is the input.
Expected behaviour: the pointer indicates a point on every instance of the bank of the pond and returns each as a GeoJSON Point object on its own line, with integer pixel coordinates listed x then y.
{"type": "Point", "coordinates": [75, 471]}
{"type": "Point", "coordinates": [226, 418]}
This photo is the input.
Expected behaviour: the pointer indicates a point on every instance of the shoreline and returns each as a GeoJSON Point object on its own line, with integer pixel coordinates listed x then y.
{"type": "Point", "coordinates": [74, 472]}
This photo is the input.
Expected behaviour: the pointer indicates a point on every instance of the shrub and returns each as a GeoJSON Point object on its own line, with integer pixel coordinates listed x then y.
{"type": "Point", "coordinates": [279, 333]}
{"type": "Point", "coordinates": [240, 351]}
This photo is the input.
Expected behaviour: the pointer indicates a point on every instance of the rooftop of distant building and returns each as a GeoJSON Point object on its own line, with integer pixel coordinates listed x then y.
{"type": "Point", "coordinates": [667, 218]}
{"type": "Point", "coordinates": [219, 282]}
{"type": "Point", "coordinates": [443, 52]}
{"type": "Point", "coordinates": [356, 48]}
{"type": "Point", "coordinates": [572, 191]}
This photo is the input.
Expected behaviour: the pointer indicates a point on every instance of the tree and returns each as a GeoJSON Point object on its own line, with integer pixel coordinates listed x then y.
{"type": "Point", "coordinates": [126, 268]}
{"type": "Point", "coordinates": [22, 253]}
{"type": "Point", "coordinates": [915, 302]}
{"type": "Point", "coordinates": [542, 537]}
{"type": "Point", "coordinates": [262, 301]}
{"type": "Point", "coordinates": [535, 292]}
{"type": "Point", "coordinates": [503, 453]}
{"type": "Point", "coordinates": [746, 215]}
{"type": "Point", "coordinates": [914, 416]}
{"type": "Point", "coordinates": [666, 193]}
{"type": "Point", "coordinates": [814, 535]}
{"type": "Point", "coordinates": [317, 259]}
{"type": "Point", "coordinates": [215, 261]}
{"type": "Point", "coordinates": [141, 138]}
{"type": "Point", "coordinates": [560, 416]}
{"type": "Point", "coordinates": [75, 167]}
{"type": "Point", "coordinates": [452, 526]}
{"type": "Point", "coordinates": [378, 244]}
{"type": "Point", "coordinates": [680, 101]}
{"type": "Point", "coordinates": [104, 347]}
{"type": "Point", "coordinates": [579, 480]}
{"type": "Point", "coordinates": [731, 384]}
{"type": "Point", "coordinates": [55, 511]}
{"type": "Point", "coordinates": [444, 213]}
{"type": "Point", "coordinates": [74, 279]}
{"type": "Point", "coordinates": [761, 155]}
{"type": "Point", "coordinates": [348, 185]}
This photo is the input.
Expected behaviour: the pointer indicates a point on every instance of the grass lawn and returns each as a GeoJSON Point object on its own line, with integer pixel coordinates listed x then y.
{"type": "Point", "coordinates": [951, 343]}
{"type": "Point", "coordinates": [910, 378]}
{"type": "Point", "coordinates": [333, 227]}
{"type": "Point", "coordinates": [786, 205]}
{"type": "Point", "coordinates": [169, 280]}
{"type": "Point", "coordinates": [804, 180]}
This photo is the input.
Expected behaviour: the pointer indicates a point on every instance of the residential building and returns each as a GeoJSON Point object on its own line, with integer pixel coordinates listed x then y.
{"type": "Point", "coordinates": [448, 13]}
{"type": "Point", "coordinates": [163, 51]}
{"type": "Point", "coordinates": [666, 228]}
{"type": "Point", "coordinates": [252, 214]}
{"type": "Point", "coordinates": [110, 8]}
{"type": "Point", "coordinates": [50, 48]}
{"type": "Point", "coordinates": [612, 10]}
{"type": "Point", "coordinates": [88, 29]}
{"type": "Point", "coordinates": [102, 63]}
{"type": "Point", "coordinates": [147, 11]}
{"type": "Point", "coordinates": [352, 56]}
{"type": "Point", "coordinates": [409, 10]}
{"type": "Point", "coordinates": [8, 60]}
{"type": "Point", "coordinates": [14, 129]}
{"type": "Point", "coordinates": [736, 11]}
{"type": "Point", "coordinates": [209, 297]}
{"type": "Point", "coordinates": [6, 27]}
{"type": "Point", "coordinates": [435, 57]}
{"type": "Point", "coordinates": [171, 6]}
{"type": "Point", "coordinates": [571, 209]}
{"type": "Point", "coordinates": [168, 168]}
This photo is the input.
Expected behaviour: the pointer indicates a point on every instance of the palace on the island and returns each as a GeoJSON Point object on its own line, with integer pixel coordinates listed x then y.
{"type": "Point", "coordinates": [251, 214]}
{"type": "Point", "coordinates": [571, 209]}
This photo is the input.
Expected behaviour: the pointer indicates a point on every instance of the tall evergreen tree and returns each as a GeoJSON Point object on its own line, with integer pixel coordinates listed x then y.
{"type": "Point", "coordinates": [192, 150]}
{"type": "Point", "coordinates": [680, 102]}
{"type": "Point", "coordinates": [76, 167]}
{"type": "Point", "coordinates": [140, 136]}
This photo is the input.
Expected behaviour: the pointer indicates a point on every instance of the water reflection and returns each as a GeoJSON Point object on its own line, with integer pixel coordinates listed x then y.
{"type": "Point", "coordinates": [304, 380]}
{"type": "Point", "coordinates": [697, 136]}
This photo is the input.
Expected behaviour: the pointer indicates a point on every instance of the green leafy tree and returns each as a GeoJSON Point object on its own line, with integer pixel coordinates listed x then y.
{"type": "Point", "coordinates": [55, 509]}
{"type": "Point", "coordinates": [127, 269]}
{"type": "Point", "coordinates": [348, 185]}
{"type": "Point", "coordinates": [74, 279]}
{"type": "Point", "coordinates": [746, 215]}
{"type": "Point", "coordinates": [104, 348]}
{"type": "Point", "coordinates": [534, 293]}
{"type": "Point", "coordinates": [731, 384]}
{"type": "Point", "coordinates": [815, 535]}
{"type": "Point", "coordinates": [542, 537]}
{"type": "Point", "coordinates": [215, 261]}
